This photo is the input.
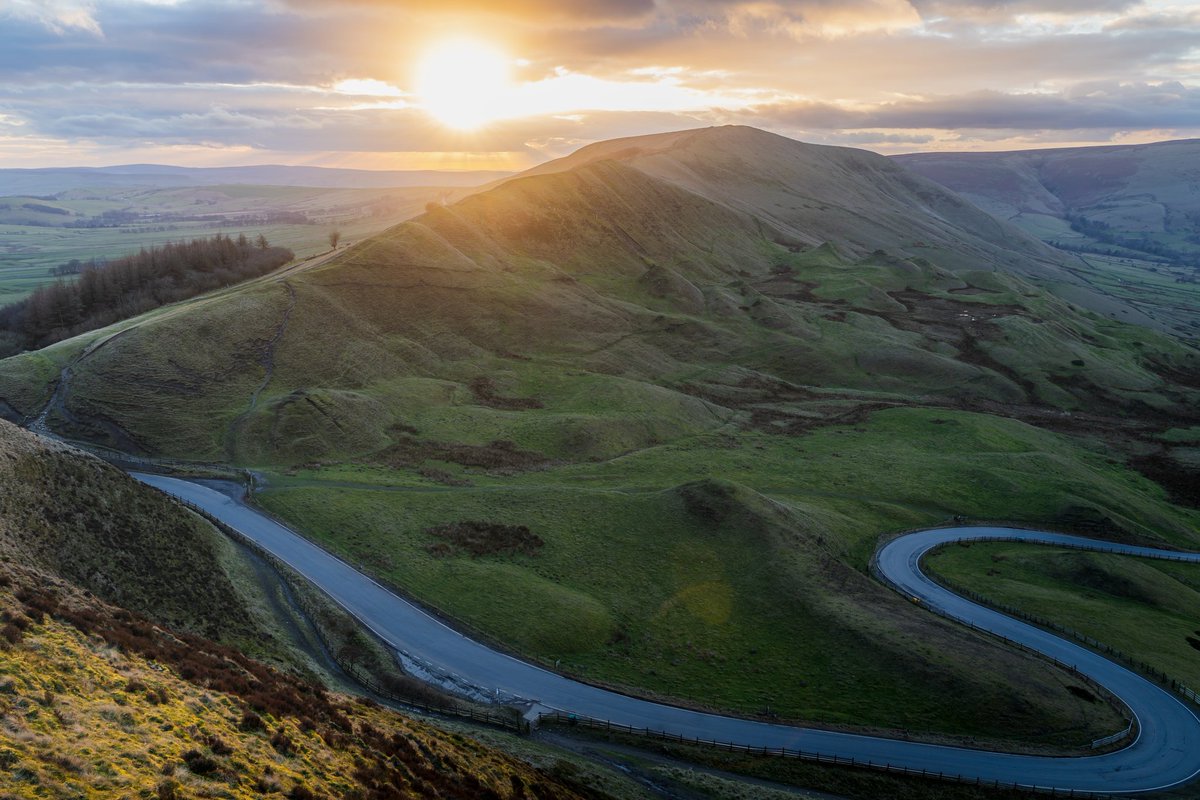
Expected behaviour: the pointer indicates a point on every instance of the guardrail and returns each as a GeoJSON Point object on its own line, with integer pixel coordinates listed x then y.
{"type": "Point", "coordinates": [560, 718]}
{"type": "Point", "coordinates": [1116, 737]}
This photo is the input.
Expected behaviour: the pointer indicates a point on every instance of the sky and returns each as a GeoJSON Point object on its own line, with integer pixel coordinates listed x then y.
{"type": "Point", "coordinates": [506, 84]}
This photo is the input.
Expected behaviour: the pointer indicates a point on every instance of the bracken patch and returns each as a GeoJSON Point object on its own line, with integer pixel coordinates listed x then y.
{"type": "Point", "coordinates": [478, 538]}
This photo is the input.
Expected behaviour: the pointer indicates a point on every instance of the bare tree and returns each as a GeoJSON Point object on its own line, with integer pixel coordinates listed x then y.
{"type": "Point", "coordinates": [335, 236]}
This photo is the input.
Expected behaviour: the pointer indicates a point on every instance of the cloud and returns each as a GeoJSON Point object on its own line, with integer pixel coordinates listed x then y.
{"type": "Point", "coordinates": [546, 11]}
{"type": "Point", "coordinates": [305, 77]}
{"type": "Point", "coordinates": [796, 19]}
{"type": "Point", "coordinates": [1105, 106]}
{"type": "Point", "coordinates": [1008, 9]}
{"type": "Point", "coordinates": [58, 16]}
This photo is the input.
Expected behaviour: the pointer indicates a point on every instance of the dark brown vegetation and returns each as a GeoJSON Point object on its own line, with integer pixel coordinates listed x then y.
{"type": "Point", "coordinates": [115, 290]}
{"type": "Point", "coordinates": [193, 658]}
{"type": "Point", "coordinates": [408, 451]}
{"type": "Point", "coordinates": [1181, 481]}
{"type": "Point", "coordinates": [486, 394]}
{"type": "Point", "coordinates": [479, 538]}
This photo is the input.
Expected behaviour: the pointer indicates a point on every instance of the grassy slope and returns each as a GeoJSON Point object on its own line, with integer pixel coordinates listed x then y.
{"type": "Point", "coordinates": [636, 338]}
{"type": "Point", "coordinates": [82, 718]}
{"type": "Point", "coordinates": [472, 292]}
{"type": "Point", "coordinates": [72, 516]}
{"type": "Point", "coordinates": [1143, 607]}
{"type": "Point", "coordinates": [77, 517]}
{"type": "Point", "coordinates": [76, 716]}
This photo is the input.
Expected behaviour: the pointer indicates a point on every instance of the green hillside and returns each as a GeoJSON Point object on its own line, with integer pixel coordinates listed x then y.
{"type": "Point", "coordinates": [706, 390]}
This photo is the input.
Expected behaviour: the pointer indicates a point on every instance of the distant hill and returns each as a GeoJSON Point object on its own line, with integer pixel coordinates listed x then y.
{"type": "Point", "coordinates": [1131, 213]}
{"type": "Point", "coordinates": [1138, 197]}
{"type": "Point", "coordinates": [808, 194]}
{"type": "Point", "coordinates": [741, 237]}
{"type": "Point", "coordinates": [57, 179]}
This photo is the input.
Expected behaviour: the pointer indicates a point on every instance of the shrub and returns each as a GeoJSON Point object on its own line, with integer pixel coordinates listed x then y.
{"type": "Point", "coordinates": [11, 634]}
{"type": "Point", "coordinates": [251, 722]}
{"type": "Point", "coordinates": [282, 743]}
{"type": "Point", "coordinates": [301, 792]}
{"type": "Point", "coordinates": [483, 538]}
{"type": "Point", "coordinates": [218, 746]}
{"type": "Point", "coordinates": [199, 763]}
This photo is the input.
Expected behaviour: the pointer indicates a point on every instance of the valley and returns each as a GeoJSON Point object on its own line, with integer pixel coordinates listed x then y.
{"type": "Point", "coordinates": [1129, 212]}
{"type": "Point", "coordinates": [641, 416]}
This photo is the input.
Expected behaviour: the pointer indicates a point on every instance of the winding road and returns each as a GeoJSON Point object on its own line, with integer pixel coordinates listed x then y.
{"type": "Point", "coordinates": [1165, 753]}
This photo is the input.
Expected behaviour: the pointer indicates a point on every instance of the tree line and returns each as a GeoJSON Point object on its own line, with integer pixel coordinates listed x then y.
{"type": "Point", "coordinates": [1103, 232]}
{"type": "Point", "coordinates": [106, 292]}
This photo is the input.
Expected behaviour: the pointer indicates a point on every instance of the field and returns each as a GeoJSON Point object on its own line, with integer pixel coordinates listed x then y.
{"type": "Point", "coordinates": [1167, 292]}
{"type": "Point", "coordinates": [1139, 606]}
{"type": "Point", "coordinates": [34, 240]}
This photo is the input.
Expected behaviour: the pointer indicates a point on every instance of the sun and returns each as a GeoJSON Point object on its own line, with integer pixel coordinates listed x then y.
{"type": "Point", "coordinates": [464, 83]}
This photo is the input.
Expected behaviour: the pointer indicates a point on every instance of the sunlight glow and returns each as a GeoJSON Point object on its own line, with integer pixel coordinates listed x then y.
{"type": "Point", "coordinates": [467, 83]}
{"type": "Point", "coordinates": [464, 83]}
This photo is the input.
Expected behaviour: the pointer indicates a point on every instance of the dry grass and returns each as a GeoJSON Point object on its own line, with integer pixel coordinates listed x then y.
{"type": "Point", "coordinates": [96, 702]}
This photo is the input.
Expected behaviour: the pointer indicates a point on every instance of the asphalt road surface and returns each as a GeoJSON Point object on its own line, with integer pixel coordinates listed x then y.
{"type": "Point", "coordinates": [1165, 753]}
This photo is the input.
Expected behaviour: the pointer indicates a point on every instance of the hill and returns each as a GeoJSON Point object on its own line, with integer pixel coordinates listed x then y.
{"type": "Point", "coordinates": [1132, 212]}
{"type": "Point", "coordinates": [810, 194]}
{"type": "Point", "coordinates": [72, 516]}
{"type": "Point", "coordinates": [125, 621]}
{"type": "Point", "coordinates": [704, 417]}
